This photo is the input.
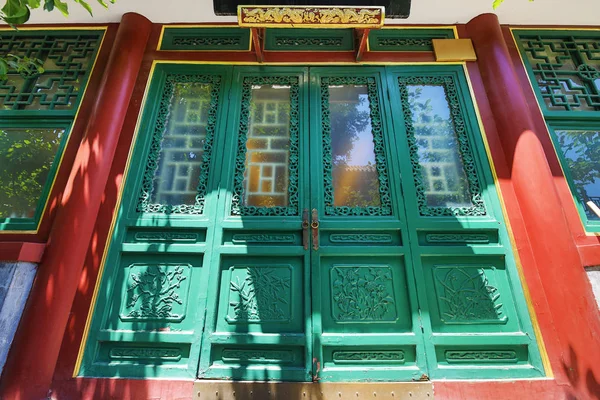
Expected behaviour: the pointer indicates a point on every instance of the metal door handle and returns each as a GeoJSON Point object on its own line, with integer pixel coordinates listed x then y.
{"type": "Point", "coordinates": [315, 229]}
{"type": "Point", "coordinates": [305, 228]}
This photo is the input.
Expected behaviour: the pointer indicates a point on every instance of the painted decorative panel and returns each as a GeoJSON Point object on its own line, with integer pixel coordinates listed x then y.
{"type": "Point", "coordinates": [260, 294]}
{"type": "Point", "coordinates": [565, 67]}
{"type": "Point", "coordinates": [156, 292]}
{"type": "Point", "coordinates": [309, 39]}
{"type": "Point", "coordinates": [205, 39]}
{"type": "Point", "coordinates": [468, 295]}
{"type": "Point", "coordinates": [145, 353]}
{"type": "Point", "coordinates": [258, 356]}
{"type": "Point", "coordinates": [481, 356]}
{"type": "Point", "coordinates": [67, 59]}
{"type": "Point", "coordinates": [406, 39]}
{"type": "Point", "coordinates": [355, 173]}
{"type": "Point", "coordinates": [443, 164]}
{"type": "Point", "coordinates": [369, 357]}
{"type": "Point", "coordinates": [267, 162]}
{"type": "Point", "coordinates": [438, 238]}
{"type": "Point", "coordinates": [362, 293]}
{"type": "Point", "coordinates": [177, 167]}
{"type": "Point", "coordinates": [360, 238]}
{"type": "Point", "coordinates": [262, 238]}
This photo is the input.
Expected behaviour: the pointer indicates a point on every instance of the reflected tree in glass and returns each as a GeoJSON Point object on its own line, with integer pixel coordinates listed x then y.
{"type": "Point", "coordinates": [354, 172]}
{"type": "Point", "coordinates": [442, 170]}
{"type": "Point", "coordinates": [581, 149]}
{"type": "Point", "coordinates": [26, 158]}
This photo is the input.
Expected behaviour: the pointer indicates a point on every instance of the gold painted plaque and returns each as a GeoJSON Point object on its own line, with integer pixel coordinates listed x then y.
{"type": "Point", "coordinates": [310, 17]}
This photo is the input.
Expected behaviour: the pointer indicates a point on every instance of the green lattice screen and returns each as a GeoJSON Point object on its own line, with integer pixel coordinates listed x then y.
{"type": "Point", "coordinates": [564, 69]}
{"type": "Point", "coordinates": [37, 111]}
{"type": "Point", "coordinates": [67, 58]}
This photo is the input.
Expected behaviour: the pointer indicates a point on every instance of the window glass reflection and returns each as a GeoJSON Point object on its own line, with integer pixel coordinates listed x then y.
{"type": "Point", "coordinates": [266, 178]}
{"type": "Point", "coordinates": [354, 172]}
{"type": "Point", "coordinates": [582, 152]}
{"type": "Point", "coordinates": [442, 170]}
{"type": "Point", "coordinates": [180, 161]}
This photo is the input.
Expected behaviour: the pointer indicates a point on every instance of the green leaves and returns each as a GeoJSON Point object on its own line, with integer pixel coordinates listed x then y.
{"type": "Point", "coordinates": [62, 7]}
{"type": "Point", "coordinates": [24, 66]}
{"type": "Point", "coordinates": [497, 3]}
{"type": "Point", "coordinates": [17, 12]}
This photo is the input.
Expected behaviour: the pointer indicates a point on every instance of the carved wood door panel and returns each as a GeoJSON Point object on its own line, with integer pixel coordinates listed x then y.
{"type": "Point", "coordinates": [298, 224]}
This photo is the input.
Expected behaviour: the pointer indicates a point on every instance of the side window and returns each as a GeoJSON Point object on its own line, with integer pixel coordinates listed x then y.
{"type": "Point", "coordinates": [564, 69]}
{"type": "Point", "coordinates": [38, 104]}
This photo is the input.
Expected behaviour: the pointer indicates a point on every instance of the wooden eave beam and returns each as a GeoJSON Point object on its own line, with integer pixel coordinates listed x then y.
{"type": "Point", "coordinates": [362, 44]}
{"type": "Point", "coordinates": [258, 40]}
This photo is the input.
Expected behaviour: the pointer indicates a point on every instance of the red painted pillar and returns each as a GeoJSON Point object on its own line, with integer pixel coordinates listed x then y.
{"type": "Point", "coordinates": [32, 359]}
{"type": "Point", "coordinates": [564, 280]}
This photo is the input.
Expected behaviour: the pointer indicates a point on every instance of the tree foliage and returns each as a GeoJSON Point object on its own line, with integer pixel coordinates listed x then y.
{"type": "Point", "coordinates": [26, 159]}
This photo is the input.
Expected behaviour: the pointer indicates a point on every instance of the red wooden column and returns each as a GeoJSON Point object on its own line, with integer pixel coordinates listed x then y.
{"type": "Point", "coordinates": [32, 359]}
{"type": "Point", "coordinates": [565, 283]}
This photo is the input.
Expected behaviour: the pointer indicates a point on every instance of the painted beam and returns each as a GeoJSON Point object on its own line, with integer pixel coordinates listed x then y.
{"type": "Point", "coordinates": [32, 359]}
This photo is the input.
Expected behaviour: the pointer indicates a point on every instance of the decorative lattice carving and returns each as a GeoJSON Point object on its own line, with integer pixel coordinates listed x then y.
{"type": "Point", "coordinates": [162, 123]}
{"type": "Point", "coordinates": [385, 357]}
{"type": "Point", "coordinates": [385, 207]}
{"type": "Point", "coordinates": [420, 176]}
{"type": "Point", "coordinates": [67, 61]}
{"type": "Point", "coordinates": [205, 41]}
{"type": "Point", "coordinates": [566, 70]}
{"type": "Point", "coordinates": [249, 118]}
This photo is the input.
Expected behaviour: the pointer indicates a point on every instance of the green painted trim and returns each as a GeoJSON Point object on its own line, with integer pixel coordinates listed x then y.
{"type": "Point", "coordinates": [590, 225]}
{"type": "Point", "coordinates": [205, 39]}
{"type": "Point", "coordinates": [278, 39]}
{"type": "Point", "coordinates": [7, 224]}
{"type": "Point", "coordinates": [406, 39]}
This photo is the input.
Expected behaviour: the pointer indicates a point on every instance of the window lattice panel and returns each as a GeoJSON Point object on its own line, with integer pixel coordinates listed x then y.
{"type": "Point", "coordinates": [566, 70]}
{"type": "Point", "coordinates": [67, 61]}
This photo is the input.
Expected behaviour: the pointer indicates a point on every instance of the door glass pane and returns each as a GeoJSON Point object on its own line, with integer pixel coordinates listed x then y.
{"type": "Point", "coordinates": [582, 152]}
{"type": "Point", "coordinates": [26, 158]}
{"type": "Point", "coordinates": [443, 174]}
{"type": "Point", "coordinates": [354, 171]}
{"type": "Point", "coordinates": [180, 160]}
{"type": "Point", "coordinates": [266, 178]}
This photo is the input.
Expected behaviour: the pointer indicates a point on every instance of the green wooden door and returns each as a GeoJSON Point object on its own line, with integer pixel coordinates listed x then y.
{"type": "Point", "coordinates": [365, 309]}
{"type": "Point", "coordinates": [297, 224]}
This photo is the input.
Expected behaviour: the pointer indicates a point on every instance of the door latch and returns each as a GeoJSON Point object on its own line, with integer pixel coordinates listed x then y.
{"type": "Point", "coordinates": [305, 225]}
{"type": "Point", "coordinates": [315, 229]}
